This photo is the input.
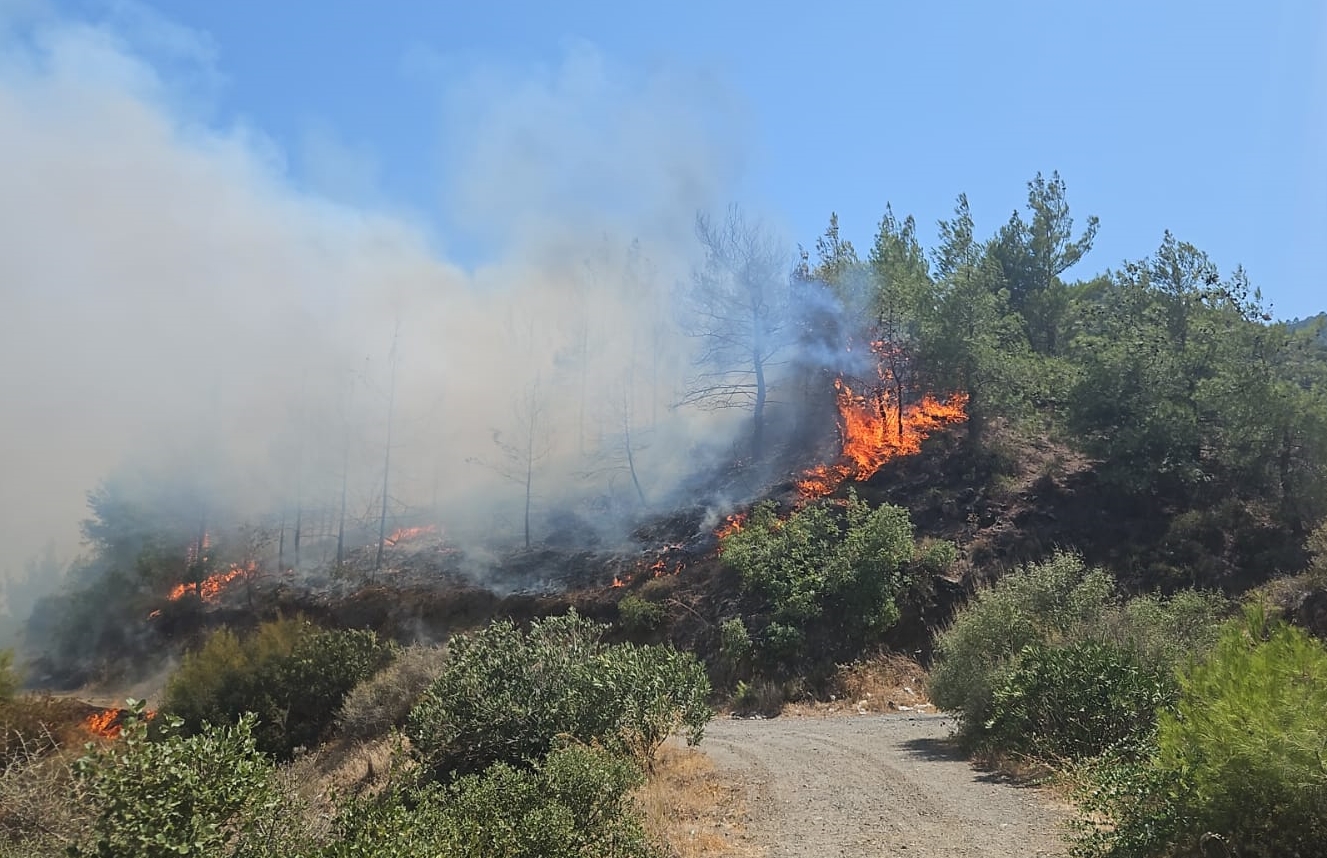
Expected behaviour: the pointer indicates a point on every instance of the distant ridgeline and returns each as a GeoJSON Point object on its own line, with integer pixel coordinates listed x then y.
{"type": "Point", "coordinates": [1319, 321]}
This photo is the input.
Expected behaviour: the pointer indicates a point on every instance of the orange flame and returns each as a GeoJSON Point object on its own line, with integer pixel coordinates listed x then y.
{"type": "Point", "coordinates": [731, 525]}
{"type": "Point", "coordinates": [402, 534]}
{"type": "Point", "coordinates": [209, 589]}
{"type": "Point", "coordinates": [105, 724]}
{"type": "Point", "coordinates": [618, 582]}
{"type": "Point", "coordinates": [108, 722]}
{"type": "Point", "coordinates": [874, 431]}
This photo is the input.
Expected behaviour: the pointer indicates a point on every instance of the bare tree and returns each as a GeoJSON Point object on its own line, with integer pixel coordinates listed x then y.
{"type": "Point", "coordinates": [738, 306]}
{"type": "Point", "coordinates": [521, 452]}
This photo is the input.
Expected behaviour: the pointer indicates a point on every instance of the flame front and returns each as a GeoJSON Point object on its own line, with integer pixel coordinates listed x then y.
{"type": "Point", "coordinates": [731, 525]}
{"type": "Point", "coordinates": [875, 429]}
{"type": "Point", "coordinates": [105, 724]}
{"type": "Point", "coordinates": [402, 534]}
{"type": "Point", "coordinates": [108, 722]}
{"type": "Point", "coordinates": [209, 589]}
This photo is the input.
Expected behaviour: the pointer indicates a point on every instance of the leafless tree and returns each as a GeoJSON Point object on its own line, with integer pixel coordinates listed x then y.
{"type": "Point", "coordinates": [738, 306]}
{"type": "Point", "coordinates": [523, 450]}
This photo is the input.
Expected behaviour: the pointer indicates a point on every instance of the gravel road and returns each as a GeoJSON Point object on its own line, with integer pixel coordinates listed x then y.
{"type": "Point", "coordinates": [875, 785]}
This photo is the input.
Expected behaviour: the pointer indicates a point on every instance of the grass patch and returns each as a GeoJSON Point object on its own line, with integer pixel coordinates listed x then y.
{"type": "Point", "coordinates": [693, 809]}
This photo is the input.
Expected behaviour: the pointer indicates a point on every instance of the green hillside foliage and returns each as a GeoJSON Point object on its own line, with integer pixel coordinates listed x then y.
{"type": "Point", "coordinates": [1237, 763]}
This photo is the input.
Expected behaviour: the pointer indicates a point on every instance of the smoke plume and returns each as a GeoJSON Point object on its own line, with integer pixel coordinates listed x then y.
{"type": "Point", "coordinates": [178, 308]}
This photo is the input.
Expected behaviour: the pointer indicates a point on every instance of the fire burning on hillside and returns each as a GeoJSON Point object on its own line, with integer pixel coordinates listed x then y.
{"type": "Point", "coordinates": [875, 429]}
{"type": "Point", "coordinates": [210, 588]}
{"type": "Point", "coordinates": [406, 534]}
{"type": "Point", "coordinates": [107, 723]}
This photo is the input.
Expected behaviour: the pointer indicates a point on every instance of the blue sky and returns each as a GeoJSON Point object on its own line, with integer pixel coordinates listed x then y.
{"type": "Point", "coordinates": [1205, 118]}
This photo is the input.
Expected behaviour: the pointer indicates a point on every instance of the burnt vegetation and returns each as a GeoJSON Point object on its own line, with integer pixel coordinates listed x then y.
{"type": "Point", "coordinates": [1107, 463]}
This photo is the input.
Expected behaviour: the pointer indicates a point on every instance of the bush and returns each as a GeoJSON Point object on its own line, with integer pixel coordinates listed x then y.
{"type": "Point", "coordinates": [574, 803]}
{"type": "Point", "coordinates": [833, 577]}
{"type": "Point", "coordinates": [1240, 760]}
{"type": "Point", "coordinates": [1035, 605]}
{"type": "Point", "coordinates": [504, 696]}
{"type": "Point", "coordinates": [199, 795]}
{"type": "Point", "coordinates": [291, 674]}
{"type": "Point", "coordinates": [735, 648]}
{"type": "Point", "coordinates": [1057, 604]}
{"type": "Point", "coordinates": [384, 700]}
{"type": "Point", "coordinates": [934, 556]}
{"type": "Point", "coordinates": [638, 615]}
{"type": "Point", "coordinates": [9, 678]}
{"type": "Point", "coordinates": [1075, 701]}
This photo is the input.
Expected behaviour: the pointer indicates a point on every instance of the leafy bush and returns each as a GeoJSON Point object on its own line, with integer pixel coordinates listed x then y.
{"type": "Point", "coordinates": [1037, 604]}
{"type": "Point", "coordinates": [576, 802]}
{"type": "Point", "coordinates": [1240, 760]}
{"type": "Point", "coordinates": [638, 615]}
{"type": "Point", "coordinates": [9, 679]}
{"type": "Point", "coordinates": [293, 675]}
{"type": "Point", "coordinates": [1058, 604]}
{"type": "Point", "coordinates": [384, 700]}
{"type": "Point", "coordinates": [177, 796]}
{"type": "Point", "coordinates": [1075, 701]}
{"type": "Point", "coordinates": [936, 555]}
{"type": "Point", "coordinates": [1316, 545]}
{"type": "Point", "coordinates": [735, 648]}
{"type": "Point", "coordinates": [504, 695]}
{"type": "Point", "coordinates": [822, 572]}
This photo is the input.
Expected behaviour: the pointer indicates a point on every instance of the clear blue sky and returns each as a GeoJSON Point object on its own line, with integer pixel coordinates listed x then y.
{"type": "Point", "coordinates": [1205, 118]}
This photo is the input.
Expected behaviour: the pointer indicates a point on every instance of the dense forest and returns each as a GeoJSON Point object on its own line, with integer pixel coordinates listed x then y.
{"type": "Point", "coordinates": [1107, 465]}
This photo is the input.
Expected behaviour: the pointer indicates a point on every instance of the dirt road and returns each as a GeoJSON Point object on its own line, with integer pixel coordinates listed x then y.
{"type": "Point", "coordinates": [876, 785]}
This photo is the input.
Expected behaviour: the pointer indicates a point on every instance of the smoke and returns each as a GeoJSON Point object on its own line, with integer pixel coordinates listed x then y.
{"type": "Point", "coordinates": [176, 306]}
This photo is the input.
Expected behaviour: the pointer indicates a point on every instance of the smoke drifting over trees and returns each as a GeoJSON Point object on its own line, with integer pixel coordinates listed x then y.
{"type": "Point", "coordinates": [179, 310]}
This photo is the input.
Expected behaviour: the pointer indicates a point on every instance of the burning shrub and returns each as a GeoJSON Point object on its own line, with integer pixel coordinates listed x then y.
{"type": "Point", "coordinates": [200, 795]}
{"type": "Point", "coordinates": [505, 696]}
{"type": "Point", "coordinates": [822, 575]}
{"type": "Point", "coordinates": [293, 675]}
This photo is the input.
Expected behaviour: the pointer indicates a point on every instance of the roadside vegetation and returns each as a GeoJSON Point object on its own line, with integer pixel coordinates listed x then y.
{"type": "Point", "coordinates": [1116, 569]}
{"type": "Point", "coordinates": [1184, 726]}
{"type": "Point", "coordinates": [520, 742]}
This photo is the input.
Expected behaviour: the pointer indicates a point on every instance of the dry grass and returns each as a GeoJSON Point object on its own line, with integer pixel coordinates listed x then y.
{"type": "Point", "coordinates": [693, 809]}
{"type": "Point", "coordinates": [887, 682]}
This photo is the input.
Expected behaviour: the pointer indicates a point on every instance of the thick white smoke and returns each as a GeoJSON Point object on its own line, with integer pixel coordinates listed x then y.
{"type": "Point", "coordinates": [173, 304]}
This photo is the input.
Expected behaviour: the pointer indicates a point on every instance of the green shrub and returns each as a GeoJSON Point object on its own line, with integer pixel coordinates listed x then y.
{"type": "Point", "coordinates": [1239, 761]}
{"type": "Point", "coordinates": [1058, 604]}
{"type": "Point", "coordinates": [936, 555]}
{"type": "Point", "coordinates": [384, 700]}
{"type": "Point", "coordinates": [735, 648]}
{"type": "Point", "coordinates": [1075, 701]}
{"type": "Point", "coordinates": [291, 674]}
{"type": "Point", "coordinates": [1037, 604]}
{"type": "Point", "coordinates": [199, 795]}
{"type": "Point", "coordinates": [830, 576]}
{"type": "Point", "coordinates": [1316, 545]}
{"type": "Point", "coordinates": [504, 695]}
{"type": "Point", "coordinates": [638, 615]}
{"type": "Point", "coordinates": [574, 803]}
{"type": "Point", "coordinates": [9, 678]}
